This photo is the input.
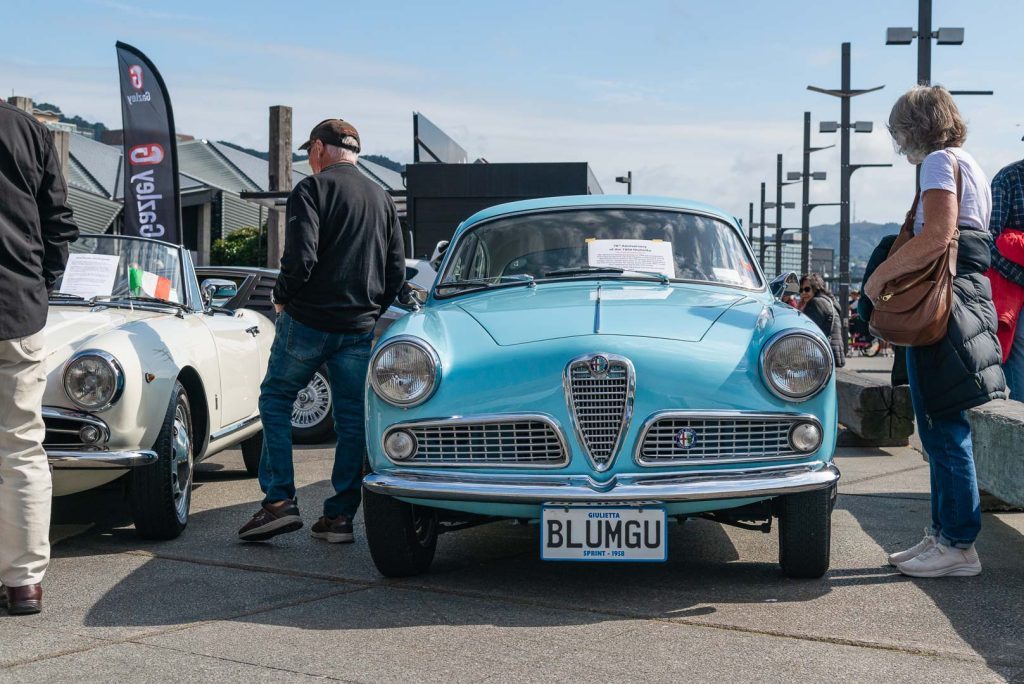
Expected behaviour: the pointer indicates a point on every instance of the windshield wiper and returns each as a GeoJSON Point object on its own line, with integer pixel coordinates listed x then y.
{"type": "Point", "coordinates": [524, 278]}
{"type": "Point", "coordinates": [597, 270]}
{"type": "Point", "coordinates": [137, 298]}
{"type": "Point", "coordinates": [67, 295]}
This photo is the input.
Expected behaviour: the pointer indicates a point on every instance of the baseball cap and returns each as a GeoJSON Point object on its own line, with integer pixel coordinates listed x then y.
{"type": "Point", "coordinates": [333, 132]}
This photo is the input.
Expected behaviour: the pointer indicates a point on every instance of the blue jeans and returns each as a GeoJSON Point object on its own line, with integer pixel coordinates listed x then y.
{"type": "Point", "coordinates": [1013, 369]}
{"type": "Point", "coordinates": [956, 507]}
{"type": "Point", "coordinates": [297, 353]}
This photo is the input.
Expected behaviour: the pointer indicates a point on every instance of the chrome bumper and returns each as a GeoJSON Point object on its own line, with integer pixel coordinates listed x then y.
{"type": "Point", "coordinates": [538, 489]}
{"type": "Point", "coordinates": [93, 460]}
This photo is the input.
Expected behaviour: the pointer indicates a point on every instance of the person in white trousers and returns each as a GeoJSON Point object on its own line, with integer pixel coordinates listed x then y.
{"type": "Point", "coordinates": [35, 229]}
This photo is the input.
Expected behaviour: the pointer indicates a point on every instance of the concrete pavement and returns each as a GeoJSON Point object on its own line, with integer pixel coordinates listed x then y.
{"type": "Point", "coordinates": [205, 607]}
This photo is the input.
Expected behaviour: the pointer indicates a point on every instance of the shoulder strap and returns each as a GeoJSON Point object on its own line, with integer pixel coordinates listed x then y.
{"type": "Point", "coordinates": [959, 179]}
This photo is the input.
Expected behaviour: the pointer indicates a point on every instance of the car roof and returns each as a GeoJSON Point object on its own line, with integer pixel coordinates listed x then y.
{"type": "Point", "coordinates": [572, 201]}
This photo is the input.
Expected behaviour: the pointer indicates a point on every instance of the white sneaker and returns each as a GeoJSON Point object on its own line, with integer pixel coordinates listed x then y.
{"type": "Point", "coordinates": [943, 561]}
{"type": "Point", "coordinates": [928, 542]}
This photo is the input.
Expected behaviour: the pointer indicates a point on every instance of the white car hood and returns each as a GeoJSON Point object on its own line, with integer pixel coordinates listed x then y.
{"type": "Point", "coordinates": [70, 327]}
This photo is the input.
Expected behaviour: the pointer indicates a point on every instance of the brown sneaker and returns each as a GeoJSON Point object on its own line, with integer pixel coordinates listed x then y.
{"type": "Point", "coordinates": [271, 520]}
{"type": "Point", "coordinates": [333, 530]}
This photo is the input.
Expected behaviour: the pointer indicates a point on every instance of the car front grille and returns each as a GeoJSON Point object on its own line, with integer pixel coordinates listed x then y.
{"type": "Point", "coordinates": [64, 429]}
{"type": "Point", "coordinates": [601, 402]}
{"type": "Point", "coordinates": [498, 441]}
{"type": "Point", "coordinates": [695, 438]}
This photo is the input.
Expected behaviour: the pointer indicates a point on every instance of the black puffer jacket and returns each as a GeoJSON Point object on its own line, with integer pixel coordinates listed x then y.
{"type": "Point", "coordinates": [822, 310]}
{"type": "Point", "coordinates": [962, 371]}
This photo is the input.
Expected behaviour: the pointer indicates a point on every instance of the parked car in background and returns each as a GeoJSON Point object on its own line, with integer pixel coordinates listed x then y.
{"type": "Point", "coordinates": [250, 287]}
{"type": "Point", "coordinates": [146, 377]}
{"type": "Point", "coordinates": [601, 365]}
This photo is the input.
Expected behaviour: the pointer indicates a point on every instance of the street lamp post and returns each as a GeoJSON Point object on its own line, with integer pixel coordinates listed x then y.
{"type": "Point", "coordinates": [778, 205]}
{"type": "Point", "coordinates": [750, 224]}
{"type": "Point", "coordinates": [628, 180]}
{"type": "Point", "coordinates": [845, 93]}
{"type": "Point", "coordinates": [763, 207]}
{"type": "Point", "coordinates": [806, 176]}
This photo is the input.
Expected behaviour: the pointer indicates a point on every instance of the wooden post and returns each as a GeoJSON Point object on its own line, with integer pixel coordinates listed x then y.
{"type": "Point", "coordinates": [204, 234]}
{"type": "Point", "coordinates": [22, 103]}
{"type": "Point", "coordinates": [280, 178]}
{"type": "Point", "coordinates": [62, 143]}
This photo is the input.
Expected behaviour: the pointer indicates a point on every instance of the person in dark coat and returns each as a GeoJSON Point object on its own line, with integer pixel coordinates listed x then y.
{"type": "Point", "coordinates": [963, 369]}
{"type": "Point", "coordinates": [35, 228]}
{"type": "Point", "coordinates": [821, 308]}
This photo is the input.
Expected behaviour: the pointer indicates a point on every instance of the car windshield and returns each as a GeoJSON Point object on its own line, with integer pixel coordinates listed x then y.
{"type": "Point", "coordinates": [605, 242]}
{"type": "Point", "coordinates": [116, 267]}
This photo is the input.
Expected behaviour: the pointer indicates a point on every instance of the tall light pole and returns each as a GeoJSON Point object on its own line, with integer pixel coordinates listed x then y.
{"type": "Point", "coordinates": [763, 207]}
{"type": "Point", "coordinates": [806, 176]}
{"type": "Point", "coordinates": [778, 204]}
{"type": "Point", "coordinates": [628, 180]}
{"type": "Point", "coordinates": [845, 93]}
{"type": "Point", "coordinates": [750, 224]}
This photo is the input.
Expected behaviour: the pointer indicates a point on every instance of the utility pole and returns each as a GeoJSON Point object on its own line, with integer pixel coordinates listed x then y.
{"type": "Point", "coordinates": [762, 245]}
{"type": "Point", "coordinates": [845, 94]}
{"type": "Point", "coordinates": [807, 176]}
{"type": "Point", "coordinates": [750, 224]}
{"type": "Point", "coordinates": [778, 214]}
{"type": "Point", "coordinates": [924, 42]}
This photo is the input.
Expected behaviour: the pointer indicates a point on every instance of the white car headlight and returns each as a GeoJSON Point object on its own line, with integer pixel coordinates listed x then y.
{"type": "Point", "coordinates": [796, 365]}
{"type": "Point", "coordinates": [93, 380]}
{"type": "Point", "coordinates": [404, 371]}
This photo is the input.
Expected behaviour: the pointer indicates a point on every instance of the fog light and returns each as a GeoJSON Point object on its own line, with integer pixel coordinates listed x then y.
{"type": "Point", "coordinates": [400, 445]}
{"type": "Point", "coordinates": [805, 437]}
{"type": "Point", "coordinates": [89, 434]}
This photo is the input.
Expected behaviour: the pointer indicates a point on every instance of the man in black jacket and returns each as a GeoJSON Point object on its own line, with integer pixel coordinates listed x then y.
{"type": "Point", "coordinates": [343, 265]}
{"type": "Point", "coordinates": [35, 227]}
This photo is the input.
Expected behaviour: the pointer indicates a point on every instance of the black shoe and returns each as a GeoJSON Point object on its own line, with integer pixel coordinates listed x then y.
{"type": "Point", "coordinates": [333, 530]}
{"type": "Point", "coordinates": [273, 519]}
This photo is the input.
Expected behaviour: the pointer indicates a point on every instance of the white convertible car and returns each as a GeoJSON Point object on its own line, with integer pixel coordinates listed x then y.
{"type": "Point", "coordinates": [146, 377]}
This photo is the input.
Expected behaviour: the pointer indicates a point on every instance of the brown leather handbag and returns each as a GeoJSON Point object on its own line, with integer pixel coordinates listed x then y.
{"type": "Point", "coordinates": [913, 309]}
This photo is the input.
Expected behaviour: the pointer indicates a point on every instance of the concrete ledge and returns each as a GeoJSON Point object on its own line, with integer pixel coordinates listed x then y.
{"type": "Point", "coordinates": [997, 429]}
{"type": "Point", "coordinates": [872, 410]}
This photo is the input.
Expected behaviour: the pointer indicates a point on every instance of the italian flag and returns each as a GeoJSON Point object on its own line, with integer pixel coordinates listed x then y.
{"type": "Point", "coordinates": [152, 285]}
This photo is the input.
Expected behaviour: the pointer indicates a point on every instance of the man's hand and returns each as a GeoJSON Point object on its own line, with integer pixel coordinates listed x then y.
{"type": "Point", "coordinates": [278, 308]}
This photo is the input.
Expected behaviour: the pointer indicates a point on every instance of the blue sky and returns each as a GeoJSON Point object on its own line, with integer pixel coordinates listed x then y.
{"type": "Point", "coordinates": [695, 97]}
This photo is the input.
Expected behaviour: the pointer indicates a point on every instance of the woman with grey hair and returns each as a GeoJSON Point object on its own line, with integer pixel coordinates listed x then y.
{"type": "Point", "coordinates": [962, 370]}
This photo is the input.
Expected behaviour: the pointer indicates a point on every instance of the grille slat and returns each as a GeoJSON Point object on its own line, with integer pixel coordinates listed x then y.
{"type": "Point", "coordinates": [509, 442]}
{"type": "Point", "coordinates": [717, 439]}
{"type": "Point", "coordinates": [600, 406]}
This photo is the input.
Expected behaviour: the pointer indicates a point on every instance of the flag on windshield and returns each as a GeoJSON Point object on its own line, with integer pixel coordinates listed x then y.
{"type": "Point", "coordinates": [152, 206]}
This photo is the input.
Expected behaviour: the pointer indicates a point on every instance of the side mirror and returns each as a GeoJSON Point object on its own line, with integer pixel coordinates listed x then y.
{"type": "Point", "coordinates": [217, 291]}
{"type": "Point", "coordinates": [787, 283]}
{"type": "Point", "coordinates": [438, 255]}
{"type": "Point", "coordinates": [412, 297]}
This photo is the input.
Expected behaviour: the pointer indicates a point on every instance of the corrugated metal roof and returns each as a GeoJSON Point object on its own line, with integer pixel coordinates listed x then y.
{"type": "Point", "coordinates": [236, 213]}
{"type": "Point", "coordinates": [383, 176]}
{"type": "Point", "coordinates": [92, 213]}
{"type": "Point", "coordinates": [198, 159]}
{"type": "Point", "coordinates": [101, 163]}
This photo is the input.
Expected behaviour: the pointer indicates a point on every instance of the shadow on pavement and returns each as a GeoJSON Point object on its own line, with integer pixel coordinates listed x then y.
{"type": "Point", "coordinates": [986, 611]}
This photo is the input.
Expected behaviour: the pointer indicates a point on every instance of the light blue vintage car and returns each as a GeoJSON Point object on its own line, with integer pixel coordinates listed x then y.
{"type": "Point", "coordinates": [598, 365]}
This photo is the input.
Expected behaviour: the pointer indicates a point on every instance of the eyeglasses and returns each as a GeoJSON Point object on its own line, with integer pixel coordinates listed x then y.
{"type": "Point", "coordinates": [805, 289]}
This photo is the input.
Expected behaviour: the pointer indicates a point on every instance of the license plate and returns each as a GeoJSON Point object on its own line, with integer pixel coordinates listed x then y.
{"type": "Point", "coordinates": [603, 533]}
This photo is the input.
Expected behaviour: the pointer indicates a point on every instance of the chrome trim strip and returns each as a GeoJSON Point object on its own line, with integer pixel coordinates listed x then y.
{"type": "Point", "coordinates": [540, 489]}
{"type": "Point", "coordinates": [694, 414]}
{"type": "Point", "coordinates": [58, 413]}
{"type": "Point", "coordinates": [114, 366]}
{"type": "Point", "coordinates": [767, 348]}
{"type": "Point", "coordinates": [99, 460]}
{"type": "Point", "coordinates": [371, 377]}
{"type": "Point", "coordinates": [627, 415]}
{"type": "Point", "coordinates": [483, 419]}
{"type": "Point", "coordinates": [235, 427]}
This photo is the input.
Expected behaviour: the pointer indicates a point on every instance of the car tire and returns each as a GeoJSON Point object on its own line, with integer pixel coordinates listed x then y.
{"type": "Point", "coordinates": [805, 533]}
{"type": "Point", "coordinates": [312, 413]}
{"type": "Point", "coordinates": [252, 451]}
{"type": "Point", "coordinates": [160, 495]}
{"type": "Point", "coordinates": [402, 537]}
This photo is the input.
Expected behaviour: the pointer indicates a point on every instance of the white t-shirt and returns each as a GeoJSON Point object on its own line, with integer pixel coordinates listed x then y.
{"type": "Point", "coordinates": [976, 201]}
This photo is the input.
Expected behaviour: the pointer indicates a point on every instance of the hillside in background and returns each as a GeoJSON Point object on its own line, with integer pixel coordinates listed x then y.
{"type": "Point", "coordinates": [92, 129]}
{"type": "Point", "coordinates": [376, 158]}
{"type": "Point", "coordinates": [864, 237]}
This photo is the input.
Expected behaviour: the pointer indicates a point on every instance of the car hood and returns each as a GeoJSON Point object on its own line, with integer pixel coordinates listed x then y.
{"type": "Point", "coordinates": [556, 310]}
{"type": "Point", "coordinates": [67, 327]}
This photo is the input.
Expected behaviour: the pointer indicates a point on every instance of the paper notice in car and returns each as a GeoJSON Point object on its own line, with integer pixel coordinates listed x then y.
{"type": "Point", "coordinates": [90, 275]}
{"type": "Point", "coordinates": [633, 255]}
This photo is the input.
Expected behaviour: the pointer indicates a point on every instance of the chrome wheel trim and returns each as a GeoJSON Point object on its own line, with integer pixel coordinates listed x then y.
{"type": "Point", "coordinates": [313, 404]}
{"type": "Point", "coordinates": [181, 462]}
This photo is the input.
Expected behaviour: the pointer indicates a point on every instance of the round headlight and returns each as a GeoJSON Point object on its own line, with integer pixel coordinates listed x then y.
{"type": "Point", "coordinates": [93, 380]}
{"type": "Point", "coordinates": [796, 365]}
{"type": "Point", "coordinates": [404, 372]}
{"type": "Point", "coordinates": [805, 437]}
{"type": "Point", "coordinates": [400, 445]}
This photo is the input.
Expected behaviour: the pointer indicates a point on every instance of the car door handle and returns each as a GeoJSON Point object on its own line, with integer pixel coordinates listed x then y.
{"type": "Point", "coordinates": [254, 330]}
